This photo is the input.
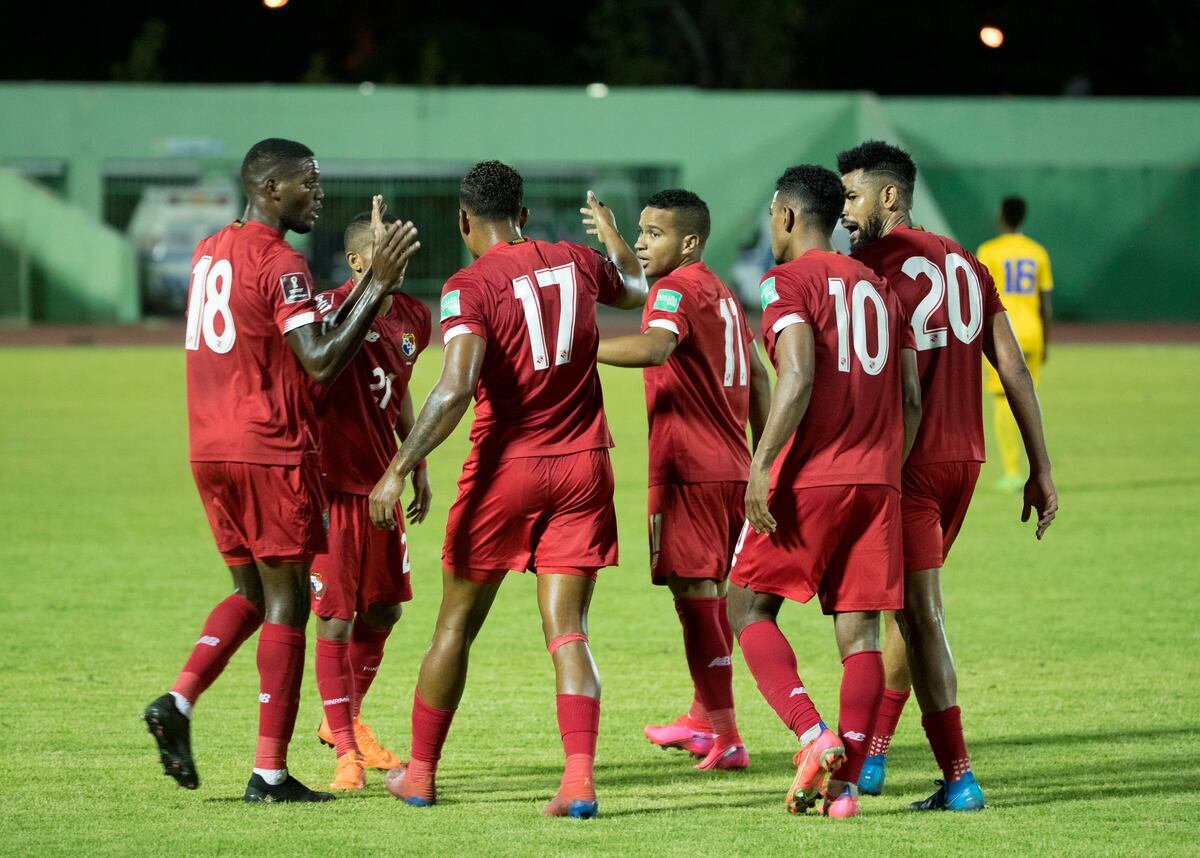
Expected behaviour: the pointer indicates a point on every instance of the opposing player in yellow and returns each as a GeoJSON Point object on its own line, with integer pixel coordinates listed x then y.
{"type": "Point", "coordinates": [1021, 268]}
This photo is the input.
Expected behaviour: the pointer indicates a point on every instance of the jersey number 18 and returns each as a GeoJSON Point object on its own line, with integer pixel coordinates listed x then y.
{"type": "Point", "coordinates": [212, 287]}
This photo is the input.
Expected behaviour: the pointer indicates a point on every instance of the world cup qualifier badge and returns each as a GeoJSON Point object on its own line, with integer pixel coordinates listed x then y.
{"type": "Point", "coordinates": [318, 586]}
{"type": "Point", "coordinates": [408, 344]}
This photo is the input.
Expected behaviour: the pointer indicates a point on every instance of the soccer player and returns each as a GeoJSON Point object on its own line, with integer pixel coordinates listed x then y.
{"type": "Point", "coordinates": [704, 379]}
{"type": "Point", "coordinates": [956, 317]}
{"type": "Point", "coordinates": [536, 491]}
{"type": "Point", "coordinates": [823, 498]}
{"type": "Point", "coordinates": [1022, 266]}
{"type": "Point", "coordinates": [359, 585]}
{"type": "Point", "coordinates": [253, 343]}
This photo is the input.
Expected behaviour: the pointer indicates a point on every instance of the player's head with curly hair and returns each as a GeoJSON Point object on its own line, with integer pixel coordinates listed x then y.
{"type": "Point", "coordinates": [282, 181]}
{"type": "Point", "coordinates": [879, 179]}
{"type": "Point", "coordinates": [672, 231]}
{"type": "Point", "coordinates": [1012, 212]}
{"type": "Point", "coordinates": [358, 242]}
{"type": "Point", "coordinates": [491, 193]}
{"type": "Point", "coordinates": [806, 205]}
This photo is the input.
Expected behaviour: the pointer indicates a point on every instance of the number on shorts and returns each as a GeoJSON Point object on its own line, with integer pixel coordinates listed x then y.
{"type": "Point", "coordinates": [965, 330]}
{"type": "Point", "coordinates": [851, 324]}
{"type": "Point", "coordinates": [562, 276]}
{"type": "Point", "coordinates": [211, 289]}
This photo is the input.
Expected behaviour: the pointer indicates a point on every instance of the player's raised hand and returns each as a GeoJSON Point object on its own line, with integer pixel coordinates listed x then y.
{"type": "Point", "coordinates": [418, 508]}
{"type": "Point", "coordinates": [1040, 495]}
{"type": "Point", "coordinates": [599, 220]}
{"type": "Point", "coordinates": [378, 210]}
{"type": "Point", "coordinates": [396, 245]}
{"type": "Point", "coordinates": [384, 499]}
{"type": "Point", "coordinates": [757, 514]}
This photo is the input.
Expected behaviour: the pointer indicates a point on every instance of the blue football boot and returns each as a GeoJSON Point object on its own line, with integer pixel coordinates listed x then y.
{"type": "Point", "coordinates": [874, 771]}
{"type": "Point", "coordinates": [963, 794]}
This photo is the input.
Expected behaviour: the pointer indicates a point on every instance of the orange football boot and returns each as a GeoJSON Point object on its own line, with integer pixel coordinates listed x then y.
{"type": "Point", "coordinates": [350, 773]}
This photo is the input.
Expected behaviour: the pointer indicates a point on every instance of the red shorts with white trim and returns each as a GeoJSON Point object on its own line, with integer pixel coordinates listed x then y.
{"type": "Point", "coordinates": [694, 528]}
{"type": "Point", "coordinates": [365, 565]}
{"type": "Point", "coordinates": [841, 543]}
{"type": "Point", "coordinates": [934, 504]}
{"type": "Point", "coordinates": [533, 513]}
{"type": "Point", "coordinates": [264, 512]}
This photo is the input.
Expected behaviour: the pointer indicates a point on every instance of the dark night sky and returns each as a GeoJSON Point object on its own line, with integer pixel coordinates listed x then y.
{"type": "Point", "coordinates": [893, 48]}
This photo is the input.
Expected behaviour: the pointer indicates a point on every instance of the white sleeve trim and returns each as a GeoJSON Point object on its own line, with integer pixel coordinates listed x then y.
{"type": "Point", "coordinates": [457, 330]}
{"type": "Point", "coordinates": [786, 322]}
{"type": "Point", "coordinates": [665, 324]}
{"type": "Point", "coordinates": [299, 321]}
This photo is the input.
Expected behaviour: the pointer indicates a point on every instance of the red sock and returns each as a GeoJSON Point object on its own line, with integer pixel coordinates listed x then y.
{"type": "Point", "coordinates": [696, 714]}
{"type": "Point", "coordinates": [773, 665]}
{"type": "Point", "coordinates": [945, 733]}
{"type": "Point", "coordinates": [366, 652]}
{"type": "Point", "coordinates": [887, 719]}
{"type": "Point", "coordinates": [429, 729]}
{"type": "Point", "coordinates": [280, 670]}
{"type": "Point", "coordinates": [232, 621]}
{"type": "Point", "coordinates": [862, 689]}
{"type": "Point", "coordinates": [710, 663]}
{"type": "Point", "coordinates": [334, 685]}
{"type": "Point", "coordinates": [579, 726]}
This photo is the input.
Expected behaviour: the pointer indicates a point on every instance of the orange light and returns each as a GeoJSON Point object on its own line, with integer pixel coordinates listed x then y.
{"type": "Point", "coordinates": [993, 37]}
{"type": "Point", "coordinates": [275, 4]}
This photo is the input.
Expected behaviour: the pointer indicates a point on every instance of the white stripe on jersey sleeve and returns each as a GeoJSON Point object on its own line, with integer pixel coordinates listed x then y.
{"type": "Point", "coordinates": [786, 322]}
{"type": "Point", "coordinates": [299, 321]}
{"type": "Point", "coordinates": [457, 330]}
{"type": "Point", "coordinates": [665, 324]}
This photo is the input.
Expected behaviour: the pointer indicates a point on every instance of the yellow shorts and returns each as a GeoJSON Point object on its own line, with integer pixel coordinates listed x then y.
{"type": "Point", "coordinates": [1033, 359]}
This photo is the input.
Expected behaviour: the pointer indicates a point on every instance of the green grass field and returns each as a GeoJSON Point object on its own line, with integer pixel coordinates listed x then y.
{"type": "Point", "coordinates": [1079, 666]}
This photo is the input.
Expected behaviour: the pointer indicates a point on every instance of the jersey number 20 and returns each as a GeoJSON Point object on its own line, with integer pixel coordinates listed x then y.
{"type": "Point", "coordinates": [965, 330]}
{"type": "Point", "coordinates": [212, 287]}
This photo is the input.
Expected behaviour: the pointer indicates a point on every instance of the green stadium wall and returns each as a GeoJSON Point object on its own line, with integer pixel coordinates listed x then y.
{"type": "Point", "coordinates": [1108, 180]}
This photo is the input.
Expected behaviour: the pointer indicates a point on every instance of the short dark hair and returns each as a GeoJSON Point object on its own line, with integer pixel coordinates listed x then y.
{"type": "Point", "coordinates": [1012, 211]}
{"type": "Point", "coordinates": [816, 190]}
{"type": "Point", "coordinates": [492, 190]}
{"type": "Point", "coordinates": [271, 157]}
{"type": "Point", "coordinates": [690, 210]}
{"type": "Point", "coordinates": [359, 229]}
{"type": "Point", "coordinates": [875, 156]}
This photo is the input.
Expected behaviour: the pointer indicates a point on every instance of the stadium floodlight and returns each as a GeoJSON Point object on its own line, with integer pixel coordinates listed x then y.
{"type": "Point", "coordinates": [275, 4]}
{"type": "Point", "coordinates": [993, 37]}
{"type": "Point", "coordinates": [597, 90]}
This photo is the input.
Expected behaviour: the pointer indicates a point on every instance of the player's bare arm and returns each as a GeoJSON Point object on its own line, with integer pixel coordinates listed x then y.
{"type": "Point", "coordinates": [795, 355]}
{"type": "Point", "coordinates": [324, 353]}
{"type": "Point", "coordinates": [602, 223]}
{"type": "Point", "coordinates": [760, 396]}
{"type": "Point", "coordinates": [1001, 348]}
{"type": "Point", "coordinates": [422, 492]}
{"type": "Point", "coordinates": [910, 382]}
{"type": "Point", "coordinates": [442, 411]}
{"type": "Point", "coordinates": [651, 348]}
{"type": "Point", "coordinates": [1046, 308]}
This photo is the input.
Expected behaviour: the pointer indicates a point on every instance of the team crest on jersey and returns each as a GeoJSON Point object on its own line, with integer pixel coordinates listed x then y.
{"type": "Point", "coordinates": [296, 287]}
{"type": "Point", "coordinates": [667, 300]}
{"type": "Point", "coordinates": [766, 291]}
{"type": "Point", "coordinates": [408, 344]}
{"type": "Point", "coordinates": [318, 586]}
{"type": "Point", "coordinates": [450, 305]}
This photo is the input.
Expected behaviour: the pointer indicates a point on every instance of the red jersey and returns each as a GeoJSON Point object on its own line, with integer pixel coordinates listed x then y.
{"type": "Point", "coordinates": [358, 412]}
{"type": "Point", "coordinates": [248, 395]}
{"type": "Point", "coordinates": [697, 402]}
{"type": "Point", "coordinates": [948, 326]}
{"type": "Point", "coordinates": [535, 304]}
{"type": "Point", "coordinates": [853, 430]}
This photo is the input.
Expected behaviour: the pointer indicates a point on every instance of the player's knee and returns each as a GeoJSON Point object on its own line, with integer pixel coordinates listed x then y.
{"type": "Point", "coordinates": [382, 615]}
{"type": "Point", "coordinates": [334, 629]}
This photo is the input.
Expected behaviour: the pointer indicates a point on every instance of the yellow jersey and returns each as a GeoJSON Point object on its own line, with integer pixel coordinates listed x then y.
{"type": "Point", "coordinates": [1020, 268]}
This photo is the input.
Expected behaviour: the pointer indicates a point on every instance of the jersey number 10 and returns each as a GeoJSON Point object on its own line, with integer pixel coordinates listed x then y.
{"type": "Point", "coordinates": [212, 287]}
{"type": "Point", "coordinates": [562, 276]}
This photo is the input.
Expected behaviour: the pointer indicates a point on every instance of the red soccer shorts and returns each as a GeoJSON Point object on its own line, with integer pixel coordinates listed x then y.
{"type": "Point", "coordinates": [533, 512]}
{"type": "Point", "coordinates": [841, 543]}
{"type": "Point", "coordinates": [365, 565]}
{"type": "Point", "coordinates": [268, 512]}
{"type": "Point", "coordinates": [694, 528]}
{"type": "Point", "coordinates": [934, 504]}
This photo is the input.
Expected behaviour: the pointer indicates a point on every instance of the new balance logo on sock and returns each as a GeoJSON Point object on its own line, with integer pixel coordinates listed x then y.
{"type": "Point", "coordinates": [722, 661]}
{"type": "Point", "coordinates": [209, 640]}
{"type": "Point", "coordinates": [264, 697]}
{"type": "Point", "coordinates": [335, 701]}
{"type": "Point", "coordinates": [799, 689]}
{"type": "Point", "coordinates": [857, 737]}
